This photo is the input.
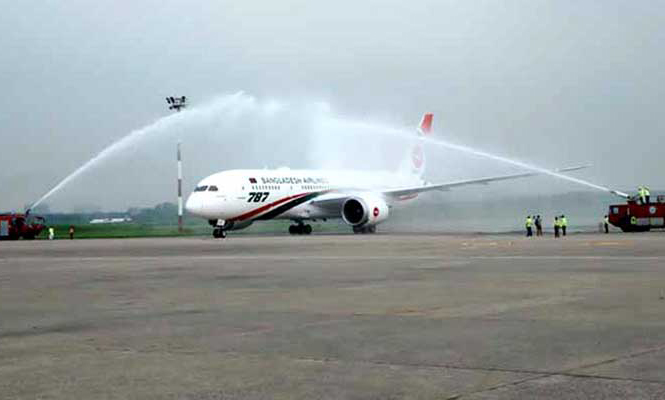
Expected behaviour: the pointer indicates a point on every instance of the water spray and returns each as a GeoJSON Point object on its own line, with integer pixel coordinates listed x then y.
{"type": "Point", "coordinates": [386, 131]}
{"type": "Point", "coordinates": [313, 120]}
{"type": "Point", "coordinates": [524, 165]}
{"type": "Point", "coordinates": [208, 110]}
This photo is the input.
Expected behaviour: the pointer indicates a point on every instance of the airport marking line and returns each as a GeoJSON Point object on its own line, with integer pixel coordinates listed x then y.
{"type": "Point", "coordinates": [323, 257]}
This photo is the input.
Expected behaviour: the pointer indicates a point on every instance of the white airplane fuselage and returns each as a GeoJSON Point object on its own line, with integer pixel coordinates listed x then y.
{"type": "Point", "coordinates": [234, 199]}
{"type": "Point", "coordinates": [245, 195]}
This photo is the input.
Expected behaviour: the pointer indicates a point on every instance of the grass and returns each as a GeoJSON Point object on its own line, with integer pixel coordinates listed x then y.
{"type": "Point", "coordinates": [129, 230]}
{"type": "Point", "coordinates": [135, 230]}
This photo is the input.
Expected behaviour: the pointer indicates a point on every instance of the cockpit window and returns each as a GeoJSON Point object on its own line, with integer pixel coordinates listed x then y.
{"type": "Point", "coordinates": [212, 188]}
{"type": "Point", "coordinates": [201, 188]}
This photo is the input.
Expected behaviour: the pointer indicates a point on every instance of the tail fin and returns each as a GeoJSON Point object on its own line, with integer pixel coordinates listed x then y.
{"type": "Point", "coordinates": [425, 127]}
{"type": "Point", "coordinates": [414, 163]}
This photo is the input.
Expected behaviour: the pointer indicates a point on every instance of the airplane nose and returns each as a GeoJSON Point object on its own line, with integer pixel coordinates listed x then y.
{"type": "Point", "coordinates": [194, 204]}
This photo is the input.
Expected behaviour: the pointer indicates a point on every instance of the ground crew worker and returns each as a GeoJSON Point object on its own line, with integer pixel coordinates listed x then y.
{"type": "Point", "coordinates": [539, 226]}
{"type": "Point", "coordinates": [71, 232]}
{"type": "Point", "coordinates": [641, 194]}
{"type": "Point", "coordinates": [647, 194]}
{"type": "Point", "coordinates": [606, 222]}
{"type": "Point", "coordinates": [51, 233]}
{"type": "Point", "coordinates": [564, 223]}
{"type": "Point", "coordinates": [529, 223]}
{"type": "Point", "coordinates": [556, 227]}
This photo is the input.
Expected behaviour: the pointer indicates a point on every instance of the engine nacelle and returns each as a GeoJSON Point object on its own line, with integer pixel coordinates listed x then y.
{"type": "Point", "coordinates": [365, 210]}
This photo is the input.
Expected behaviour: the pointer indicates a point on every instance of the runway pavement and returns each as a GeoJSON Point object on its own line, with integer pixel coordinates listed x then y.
{"type": "Point", "coordinates": [383, 316]}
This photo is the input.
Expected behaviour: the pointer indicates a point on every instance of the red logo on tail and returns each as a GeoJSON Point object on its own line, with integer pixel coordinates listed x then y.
{"type": "Point", "coordinates": [426, 124]}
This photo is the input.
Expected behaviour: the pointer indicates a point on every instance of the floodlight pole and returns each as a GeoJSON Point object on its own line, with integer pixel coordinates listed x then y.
{"type": "Point", "coordinates": [178, 103]}
{"type": "Point", "coordinates": [179, 190]}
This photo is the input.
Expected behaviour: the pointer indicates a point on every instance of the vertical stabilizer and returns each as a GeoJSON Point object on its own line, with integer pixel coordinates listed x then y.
{"type": "Point", "coordinates": [414, 163]}
{"type": "Point", "coordinates": [425, 127]}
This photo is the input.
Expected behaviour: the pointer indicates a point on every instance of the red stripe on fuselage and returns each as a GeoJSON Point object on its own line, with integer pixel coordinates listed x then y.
{"type": "Point", "coordinates": [261, 209]}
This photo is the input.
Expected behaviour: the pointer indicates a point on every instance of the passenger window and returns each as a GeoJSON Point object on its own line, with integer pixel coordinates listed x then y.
{"type": "Point", "coordinates": [212, 188]}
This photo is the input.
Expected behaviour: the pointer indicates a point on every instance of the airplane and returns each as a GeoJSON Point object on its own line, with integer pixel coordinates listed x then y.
{"type": "Point", "coordinates": [234, 199]}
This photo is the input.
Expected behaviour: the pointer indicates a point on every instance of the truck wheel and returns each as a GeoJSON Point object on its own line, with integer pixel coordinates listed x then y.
{"type": "Point", "coordinates": [29, 236]}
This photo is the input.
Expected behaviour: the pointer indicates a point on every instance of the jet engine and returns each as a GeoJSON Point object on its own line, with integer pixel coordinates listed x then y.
{"type": "Point", "coordinates": [364, 210]}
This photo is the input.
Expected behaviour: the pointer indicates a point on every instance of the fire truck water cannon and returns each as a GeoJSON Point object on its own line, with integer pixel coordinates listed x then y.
{"type": "Point", "coordinates": [637, 216]}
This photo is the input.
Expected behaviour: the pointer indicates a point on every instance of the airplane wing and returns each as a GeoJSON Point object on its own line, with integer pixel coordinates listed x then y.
{"type": "Point", "coordinates": [334, 200]}
{"type": "Point", "coordinates": [403, 193]}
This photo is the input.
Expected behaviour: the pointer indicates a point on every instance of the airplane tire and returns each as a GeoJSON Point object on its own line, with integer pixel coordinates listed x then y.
{"type": "Point", "coordinates": [300, 229]}
{"type": "Point", "coordinates": [364, 229]}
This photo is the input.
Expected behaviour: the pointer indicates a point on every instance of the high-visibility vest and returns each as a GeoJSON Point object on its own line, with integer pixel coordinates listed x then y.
{"type": "Point", "coordinates": [557, 223]}
{"type": "Point", "coordinates": [529, 222]}
{"type": "Point", "coordinates": [564, 221]}
{"type": "Point", "coordinates": [607, 220]}
{"type": "Point", "coordinates": [646, 191]}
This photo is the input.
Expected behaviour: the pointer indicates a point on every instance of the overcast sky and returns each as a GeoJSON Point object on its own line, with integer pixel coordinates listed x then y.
{"type": "Point", "coordinates": [554, 83]}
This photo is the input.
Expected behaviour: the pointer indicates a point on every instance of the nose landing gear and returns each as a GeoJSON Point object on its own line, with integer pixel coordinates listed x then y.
{"type": "Point", "coordinates": [219, 233]}
{"type": "Point", "coordinates": [300, 229]}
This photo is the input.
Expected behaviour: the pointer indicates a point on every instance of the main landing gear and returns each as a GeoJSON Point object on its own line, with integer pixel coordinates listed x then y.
{"type": "Point", "coordinates": [364, 229]}
{"type": "Point", "coordinates": [219, 233]}
{"type": "Point", "coordinates": [300, 229]}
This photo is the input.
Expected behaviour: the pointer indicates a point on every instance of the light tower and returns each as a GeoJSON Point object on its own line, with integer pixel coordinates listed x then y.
{"type": "Point", "coordinates": [179, 190]}
{"type": "Point", "coordinates": [178, 103]}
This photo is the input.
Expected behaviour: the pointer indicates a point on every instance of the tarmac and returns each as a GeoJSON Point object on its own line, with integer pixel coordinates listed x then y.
{"type": "Point", "coordinates": [385, 316]}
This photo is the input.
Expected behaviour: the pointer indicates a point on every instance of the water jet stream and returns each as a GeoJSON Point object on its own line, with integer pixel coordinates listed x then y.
{"type": "Point", "coordinates": [469, 150]}
{"type": "Point", "coordinates": [309, 120]}
{"type": "Point", "coordinates": [126, 142]}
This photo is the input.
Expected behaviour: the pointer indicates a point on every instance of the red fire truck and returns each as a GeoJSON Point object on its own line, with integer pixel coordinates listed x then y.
{"type": "Point", "coordinates": [15, 226]}
{"type": "Point", "coordinates": [637, 217]}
